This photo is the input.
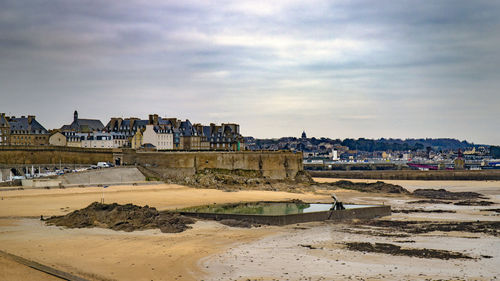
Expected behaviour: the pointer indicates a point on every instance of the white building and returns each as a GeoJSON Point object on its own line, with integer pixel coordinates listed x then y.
{"type": "Point", "coordinates": [159, 136]}
{"type": "Point", "coordinates": [335, 155]}
{"type": "Point", "coordinates": [98, 140]}
{"type": "Point", "coordinates": [120, 140]}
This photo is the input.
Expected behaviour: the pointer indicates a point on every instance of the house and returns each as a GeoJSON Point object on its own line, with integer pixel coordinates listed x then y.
{"type": "Point", "coordinates": [26, 131]}
{"type": "Point", "coordinates": [137, 139]}
{"type": "Point", "coordinates": [73, 139]}
{"type": "Point", "coordinates": [224, 137]}
{"type": "Point", "coordinates": [174, 134]}
{"type": "Point", "coordinates": [57, 139]}
{"type": "Point", "coordinates": [4, 130]}
{"type": "Point", "coordinates": [82, 125]}
{"type": "Point", "coordinates": [160, 136]}
{"type": "Point", "coordinates": [120, 140]}
{"type": "Point", "coordinates": [97, 140]}
{"type": "Point", "coordinates": [125, 129]}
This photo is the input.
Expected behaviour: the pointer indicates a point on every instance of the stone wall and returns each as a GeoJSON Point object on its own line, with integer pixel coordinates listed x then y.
{"type": "Point", "coordinates": [13, 155]}
{"type": "Point", "coordinates": [176, 164]}
{"type": "Point", "coordinates": [273, 165]}
{"type": "Point", "coordinates": [337, 215]}
{"type": "Point", "coordinates": [479, 175]}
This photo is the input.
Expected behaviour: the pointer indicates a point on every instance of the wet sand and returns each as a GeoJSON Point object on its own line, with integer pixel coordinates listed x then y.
{"type": "Point", "coordinates": [489, 187]}
{"type": "Point", "coordinates": [316, 251]}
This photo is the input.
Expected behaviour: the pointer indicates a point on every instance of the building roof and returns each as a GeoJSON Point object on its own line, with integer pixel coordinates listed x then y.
{"type": "Point", "coordinates": [3, 120]}
{"type": "Point", "coordinates": [24, 124]}
{"type": "Point", "coordinates": [87, 125]}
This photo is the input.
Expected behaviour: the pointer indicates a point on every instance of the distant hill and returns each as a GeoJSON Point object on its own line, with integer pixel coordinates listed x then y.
{"type": "Point", "coordinates": [370, 145]}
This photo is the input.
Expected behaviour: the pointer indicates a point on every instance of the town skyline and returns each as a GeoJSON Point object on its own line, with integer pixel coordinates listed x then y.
{"type": "Point", "coordinates": [61, 124]}
{"type": "Point", "coordinates": [339, 69]}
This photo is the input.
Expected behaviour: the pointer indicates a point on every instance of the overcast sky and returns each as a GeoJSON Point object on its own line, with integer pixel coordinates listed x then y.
{"type": "Point", "coordinates": [333, 68]}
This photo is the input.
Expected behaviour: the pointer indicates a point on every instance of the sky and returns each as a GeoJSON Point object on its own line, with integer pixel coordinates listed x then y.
{"type": "Point", "coordinates": [338, 69]}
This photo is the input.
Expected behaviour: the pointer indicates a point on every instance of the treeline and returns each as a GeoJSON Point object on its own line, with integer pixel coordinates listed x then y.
{"type": "Point", "coordinates": [371, 145]}
{"type": "Point", "coordinates": [495, 151]}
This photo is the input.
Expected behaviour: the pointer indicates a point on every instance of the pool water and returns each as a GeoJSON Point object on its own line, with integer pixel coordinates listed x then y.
{"type": "Point", "coordinates": [267, 208]}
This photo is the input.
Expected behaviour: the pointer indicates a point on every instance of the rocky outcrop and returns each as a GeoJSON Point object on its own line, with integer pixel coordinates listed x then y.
{"type": "Point", "coordinates": [127, 217]}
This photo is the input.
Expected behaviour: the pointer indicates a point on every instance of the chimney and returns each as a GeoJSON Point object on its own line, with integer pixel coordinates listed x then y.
{"type": "Point", "coordinates": [155, 119]}
{"type": "Point", "coordinates": [150, 119]}
{"type": "Point", "coordinates": [30, 118]}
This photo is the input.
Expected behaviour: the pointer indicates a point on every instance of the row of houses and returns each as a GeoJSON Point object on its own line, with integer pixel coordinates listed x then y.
{"type": "Point", "coordinates": [154, 133]}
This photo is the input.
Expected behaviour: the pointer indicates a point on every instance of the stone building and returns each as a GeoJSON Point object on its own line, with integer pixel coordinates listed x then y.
{"type": "Point", "coordinates": [73, 139]}
{"type": "Point", "coordinates": [174, 134]}
{"type": "Point", "coordinates": [26, 131]}
{"type": "Point", "coordinates": [124, 130]}
{"type": "Point", "coordinates": [4, 130]}
{"type": "Point", "coordinates": [97, 140]}
{"type": "Point", "coordinates": [57, 139]}
{"type": "Point", "coordinates": [224, 137]}
{"type": "Point", "coordinates": [137, 139]}
{"type": "Point", "coordinates": [160, 136]}
{"type": "Point", "coordinates": [82, 125]}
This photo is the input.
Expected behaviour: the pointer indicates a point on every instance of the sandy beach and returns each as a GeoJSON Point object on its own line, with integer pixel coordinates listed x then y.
{"type": "Point", "coordinates": [102, 254]}
{"type": "Point", "coordinates": [212, 251]}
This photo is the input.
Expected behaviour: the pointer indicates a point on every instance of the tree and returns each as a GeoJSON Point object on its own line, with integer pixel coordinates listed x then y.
{"type": "Point", "coordinates": [495, 151]}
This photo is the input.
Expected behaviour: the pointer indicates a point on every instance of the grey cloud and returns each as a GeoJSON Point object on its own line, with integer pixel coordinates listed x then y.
{"type": "Point", "coordinates": [338, 69]}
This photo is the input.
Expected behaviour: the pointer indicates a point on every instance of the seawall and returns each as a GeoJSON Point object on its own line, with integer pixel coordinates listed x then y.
{"type": "Point", "coordinates": [20, 155]}
{"type": "Point", "coordinates": [273, 165]}
{"type": "Point", "coordinates": [175, 164]}
{"type": "Point", "coordinates": [411, 175]}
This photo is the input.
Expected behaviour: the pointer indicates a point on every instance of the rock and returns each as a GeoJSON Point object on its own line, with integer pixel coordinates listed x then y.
{"type": "Point", "coordinates": [127, 218]}
{"type": "Point", "coordinates": [446, 195]}
{"type": "Point", "coordinates": [376, 187]}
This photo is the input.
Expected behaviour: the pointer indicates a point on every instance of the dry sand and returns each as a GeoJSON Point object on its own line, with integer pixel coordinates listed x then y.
{"type": "Point", "coordinates": [11, 270]}
{"type": "Point", "coordinates": [49, 202]}
{"type": "Point", "coordinates": [101, 254]}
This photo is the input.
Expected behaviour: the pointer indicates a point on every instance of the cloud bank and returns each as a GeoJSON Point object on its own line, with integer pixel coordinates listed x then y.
{"type": "Point", "coordinates": [334, 68]}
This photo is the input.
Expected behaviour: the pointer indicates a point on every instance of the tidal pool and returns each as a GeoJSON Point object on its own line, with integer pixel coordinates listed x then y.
{"type": "Point", "coordinates": [267, 208]}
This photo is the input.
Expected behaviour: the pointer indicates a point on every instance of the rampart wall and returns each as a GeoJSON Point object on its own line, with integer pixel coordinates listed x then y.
{"type": "Point", "coordinates": [273, 165]}
{"type": "Point", "coordinates": [175, 164]}
{"type": "Point", "coordinates": [16, 155]}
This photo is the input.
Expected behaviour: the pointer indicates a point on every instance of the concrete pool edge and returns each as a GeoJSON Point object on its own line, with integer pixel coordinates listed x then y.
{"type": "Point", "coordinates": [337, 215]}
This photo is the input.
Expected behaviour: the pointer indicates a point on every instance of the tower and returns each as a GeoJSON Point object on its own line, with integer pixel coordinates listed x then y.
{"type": "Point", "coordinates": [304, 136]}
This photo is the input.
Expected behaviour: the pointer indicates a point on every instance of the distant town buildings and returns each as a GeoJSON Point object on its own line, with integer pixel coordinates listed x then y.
{"type": "Point", "coordinates": [154, 133]}
{"type": "Point", "coordinates": [157, 133]}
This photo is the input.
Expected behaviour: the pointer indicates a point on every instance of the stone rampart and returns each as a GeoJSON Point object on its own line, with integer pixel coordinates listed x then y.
{"type": "Point", "coordinates": [15, 155]}
{"type": "Point", "coordinates": [272, 165]}
{"type": "Point", "coordinates": [175, 164]}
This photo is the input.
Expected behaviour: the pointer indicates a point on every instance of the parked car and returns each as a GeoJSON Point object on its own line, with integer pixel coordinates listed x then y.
{"type": "Point", "coordinates": [102, 165]}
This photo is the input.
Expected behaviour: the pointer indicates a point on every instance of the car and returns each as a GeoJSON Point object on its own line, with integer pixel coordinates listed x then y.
{"type": "Point", "coordinates": [102, 165]}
